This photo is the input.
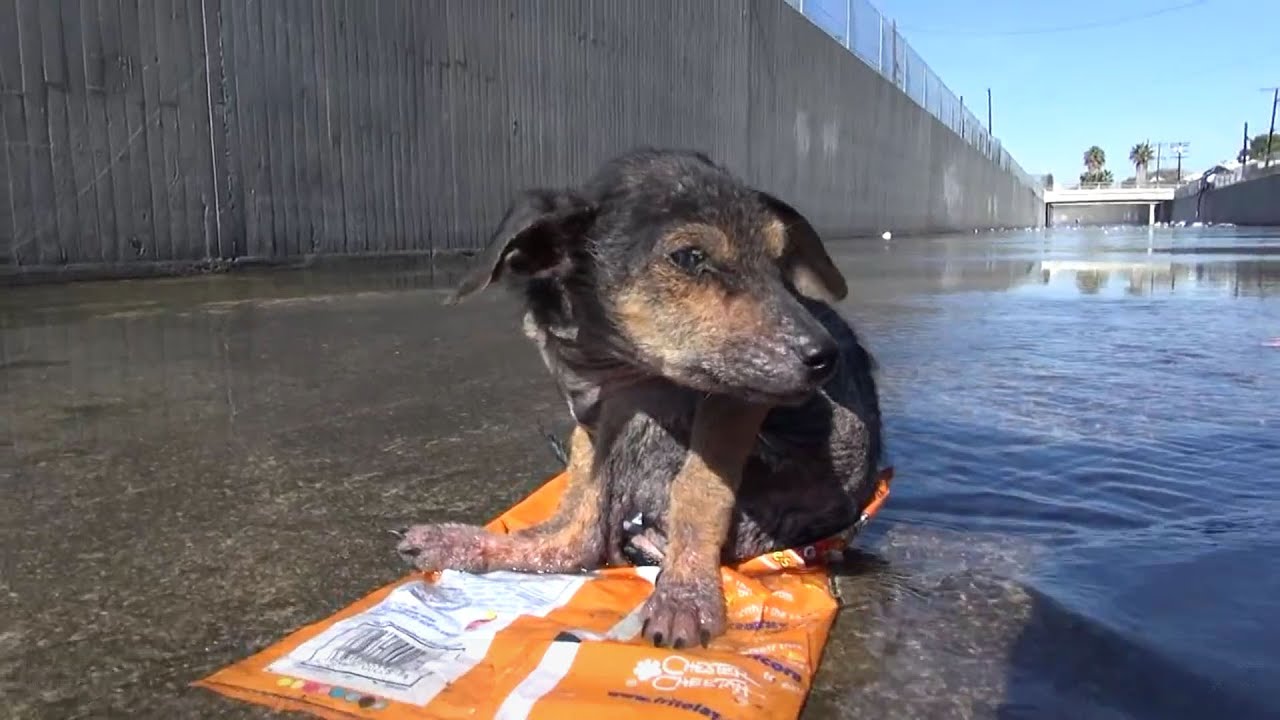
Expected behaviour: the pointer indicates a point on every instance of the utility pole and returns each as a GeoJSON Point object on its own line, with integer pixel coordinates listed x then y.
{"type": "Point", "coordinates": [1244, 149]}
{"type": "Point", "coordinates": [992, 132]}
{"type": "Point", "coordinates": [1275, 98]}
{"type": "Point", "coordinates": [1179, 149]}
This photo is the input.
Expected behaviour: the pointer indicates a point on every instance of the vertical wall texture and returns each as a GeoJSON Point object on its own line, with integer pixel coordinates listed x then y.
{"type": "Point", "coordinates": [106, 130]}
{"type": "Point", "coordinates": [1249, 202]}
{"type": "Point", "coordinates": [186, 130]}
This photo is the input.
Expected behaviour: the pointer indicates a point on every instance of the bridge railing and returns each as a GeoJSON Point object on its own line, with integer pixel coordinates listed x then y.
{"type": "Point", "coordinates": [864, 31]}
{"type": "Point", "coordinates": [1121, 185]}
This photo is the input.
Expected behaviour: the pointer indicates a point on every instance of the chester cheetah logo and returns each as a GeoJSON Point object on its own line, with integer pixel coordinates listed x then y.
{"type": "Point", "coordinates": [676, 672]}
{"type": "Point", "coordinates": [647, 670]}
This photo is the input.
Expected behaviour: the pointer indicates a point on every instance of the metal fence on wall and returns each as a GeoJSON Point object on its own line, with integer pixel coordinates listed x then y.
{"type": "Point", "coordinates": [861, 29]}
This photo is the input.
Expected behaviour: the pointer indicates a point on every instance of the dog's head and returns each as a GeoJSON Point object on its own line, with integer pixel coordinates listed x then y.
{"type": "Point", "coordinates": [677, 267]}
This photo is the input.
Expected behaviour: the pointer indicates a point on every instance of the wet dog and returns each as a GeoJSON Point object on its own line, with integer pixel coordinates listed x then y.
{"type": "Point", "coordinates": [686, 319]}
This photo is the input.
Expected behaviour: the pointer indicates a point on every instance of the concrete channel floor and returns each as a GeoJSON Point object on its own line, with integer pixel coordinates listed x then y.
{"type": "Point", "coordinates": [191, 468]}
{"type": "Point", "coordinates": [194, 467]}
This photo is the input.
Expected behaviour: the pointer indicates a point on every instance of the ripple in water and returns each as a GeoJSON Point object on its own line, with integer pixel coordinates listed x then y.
{"type": "Point", "coordinates": [1086, 445]}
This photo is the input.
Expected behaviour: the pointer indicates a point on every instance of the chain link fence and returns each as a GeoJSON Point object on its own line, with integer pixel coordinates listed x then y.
{"type": "Point", "coordinates": [861, 29]}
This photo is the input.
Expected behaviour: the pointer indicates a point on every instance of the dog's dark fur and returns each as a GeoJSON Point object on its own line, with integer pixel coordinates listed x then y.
{"type": "Point", "coordinates": [685, 317]}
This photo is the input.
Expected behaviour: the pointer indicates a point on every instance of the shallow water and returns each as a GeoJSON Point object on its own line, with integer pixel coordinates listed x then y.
{"type": "Point", "coordinates": [1083, 423]}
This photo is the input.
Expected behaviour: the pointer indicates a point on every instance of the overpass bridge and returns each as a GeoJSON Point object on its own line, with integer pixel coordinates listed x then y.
{"type": "Point", "coordinates": [1149, 194]}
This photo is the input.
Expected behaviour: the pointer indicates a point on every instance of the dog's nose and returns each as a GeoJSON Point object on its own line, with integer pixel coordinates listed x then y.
{"type": "Point", "coordinates": [819, 356]}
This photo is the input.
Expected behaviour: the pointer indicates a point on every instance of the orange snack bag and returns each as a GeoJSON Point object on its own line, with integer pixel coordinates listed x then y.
{"type": "Point", "coordinates": [517, 645]}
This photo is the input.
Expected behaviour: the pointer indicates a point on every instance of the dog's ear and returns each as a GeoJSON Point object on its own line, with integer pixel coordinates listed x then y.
{"type": "Point", "coordinates": [804, 259]}
{"type": "Point", "coordinates": [536, 238]}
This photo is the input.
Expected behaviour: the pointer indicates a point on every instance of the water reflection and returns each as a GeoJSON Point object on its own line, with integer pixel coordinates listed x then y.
{"type": "Point", "coordinates": [1107, 262]}
{"type": "Point", "coordinates": [220, 292]}
{"type": "Point", "coordinates": [1238, 278]}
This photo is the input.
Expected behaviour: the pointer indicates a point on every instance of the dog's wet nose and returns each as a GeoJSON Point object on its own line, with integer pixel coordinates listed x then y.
{"type": "Point", "coordinates": [819, 356]}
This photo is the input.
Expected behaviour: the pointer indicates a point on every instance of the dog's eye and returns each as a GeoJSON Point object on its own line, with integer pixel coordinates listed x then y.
{"type": "Point", "coordinates": [690, 259]}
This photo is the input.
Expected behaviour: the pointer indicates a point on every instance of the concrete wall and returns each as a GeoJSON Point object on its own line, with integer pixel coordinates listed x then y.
{"type": "Point", "coordinates": [1250, 202]}
{"type": "Point", "coordinates": [149, 131]}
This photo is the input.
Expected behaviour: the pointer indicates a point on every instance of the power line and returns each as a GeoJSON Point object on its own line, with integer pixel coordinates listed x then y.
{"type": "Point", "coordinates": [1179, 148]}
{"type": "Point", "coordinates": [1198, 70]}
{"type": "Point", "coordinates": [1271, 131]}
{"type": "Point", "coordinates": [1062, 28]}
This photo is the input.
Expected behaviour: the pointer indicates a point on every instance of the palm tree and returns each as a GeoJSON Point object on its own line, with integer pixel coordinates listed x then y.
{"type": "Point", "coordinates": [1141, 156]}
{"type": "Point", "coordinates": [1094, 159]}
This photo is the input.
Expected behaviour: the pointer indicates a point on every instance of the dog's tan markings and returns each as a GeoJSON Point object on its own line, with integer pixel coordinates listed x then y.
{"type": "Point", "coordinates": [569, 540]}
{"type": "Point", "coordinates": [687, 605]}
{"type": "Point", "coordinates": [702, 494]}
{"type": "Point", "coordinates": [774, 233]}
{"type": "Point", "coordinates": [673, 319]}
{"type": "Point", "coordinates": [799, 250]}
{"type": "Point", "coordinates": [578, 514]}
{"type": "Point", "coordinates": [671, 316]}
{"type": "Point", "coordinates": [714, 319]}
{"type": "Point", "coordinates": [645, 319]}
{"type": "Point", "coordinates": [708, 238]}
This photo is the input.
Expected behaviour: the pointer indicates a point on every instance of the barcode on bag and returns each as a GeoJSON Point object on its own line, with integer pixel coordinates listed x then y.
{"type": "Point", "coordinates": [380, 647]}
{"type": "Point", "coordinates": [384, 653]}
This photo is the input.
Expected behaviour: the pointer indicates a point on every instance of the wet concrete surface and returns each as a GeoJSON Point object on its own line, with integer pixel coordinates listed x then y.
{"type": "Point", "coordinates": [1083, 422]}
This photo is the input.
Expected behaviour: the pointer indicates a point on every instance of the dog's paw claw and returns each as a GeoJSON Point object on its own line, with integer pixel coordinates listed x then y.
{"type": "Point", "coordinates": [684, 613]}
{"type": "Point", "coordinates": [441, 547]}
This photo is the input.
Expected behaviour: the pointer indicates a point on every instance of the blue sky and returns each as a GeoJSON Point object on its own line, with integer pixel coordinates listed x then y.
{"type": "Point", "coordinates": [1158, 70]}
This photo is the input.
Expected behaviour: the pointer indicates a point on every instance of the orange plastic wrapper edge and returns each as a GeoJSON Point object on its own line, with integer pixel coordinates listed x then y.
{"type": "Point", "coordinates": [505, 645]}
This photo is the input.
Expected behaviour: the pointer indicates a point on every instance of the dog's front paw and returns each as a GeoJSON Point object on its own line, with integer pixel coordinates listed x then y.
{"type": "Point", "coordinates": [683, 612]}
{"type": "Point", "coordinates": [446, 546]}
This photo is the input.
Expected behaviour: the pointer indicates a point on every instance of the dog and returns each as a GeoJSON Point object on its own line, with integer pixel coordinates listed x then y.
{"type": "Point", "coordinates": [687, 321]}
